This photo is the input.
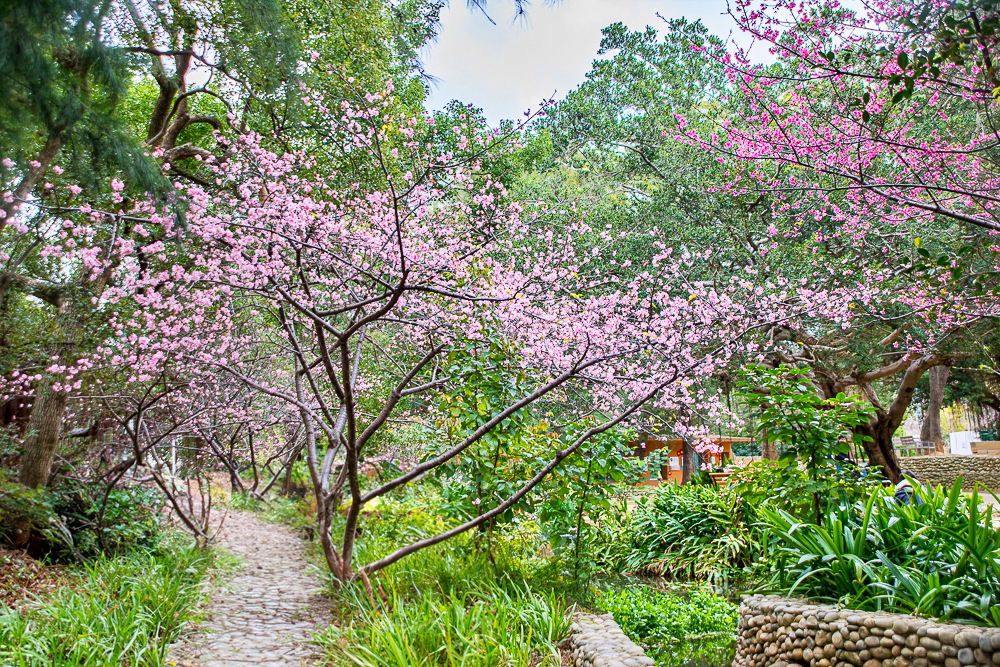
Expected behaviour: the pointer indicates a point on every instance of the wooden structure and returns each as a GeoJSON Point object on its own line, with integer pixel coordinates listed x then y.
{"type": "Point", "coordinates": [986, 448]}
{"type": "Point", "coordinates": [720, 478]}
{"type": "Point", "coordinates": [672, 457]}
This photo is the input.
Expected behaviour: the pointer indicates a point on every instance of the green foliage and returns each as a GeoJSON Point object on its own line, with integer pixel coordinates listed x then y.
{"type": "Point", "coordinates": [500, 462]}
{"type": "Point", "coordinates": [456, 565]}
{"type": "Point", "coordinates": [693, 532]}
{"type": "Point", "coordinates": [489, 626]}
{"type": "Point", "coordinates": [21, 509]}
{"type": "Point", "coordinates": [938, 556]}
{"type": "Point", "coordinates": [132, 518]}
{"type": "Point", "coordinates": [676, 628]}
{"type": "Point", "coordinates": [125, 610]}
{"type": "Point", "coordinates": [658, 616]}
{"type": "Point", "coordinates": [77, 522]}
{"type": "Point", "coordinates": [584, 498]}
{"type": "Point", "coordinates": [774, 485]}
{"type": "Point", "coordinates": [812, 429]}
{"type": "Point", "coordinates": [244, 502]}
{"type": "Point", "coordinates": [495, 467]}
{"type": "Point", "coordinates": [65, 81]}
{"type": "Point", "coordinates": [453, 603]}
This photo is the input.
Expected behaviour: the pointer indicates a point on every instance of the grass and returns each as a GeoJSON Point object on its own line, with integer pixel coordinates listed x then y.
{"type": "Point", "coordinates": [489, 626]}
{"type": "Point", "coordinates": [468, 601]}
{"type": "Point", "coordinates": [121, 611]}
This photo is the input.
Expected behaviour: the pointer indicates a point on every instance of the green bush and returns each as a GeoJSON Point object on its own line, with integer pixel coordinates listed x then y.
{"type": "Point", "coordinates": [788, 488]}
{"type": "Point", "coordinates": [123, 611]}
{"type": "Point", "coordinates": [676, 629]}
{"type": "Point", "coordinates": [70, 522]}
{"type": "Point", "coordinates": [937, 556]}
{"type": "Point", "coordinates": [132, 518]}
{"type": "Point", "coordinates": [22, 509]}
{"type": "Point", "coordinates": [693, 532]}
{"type": "Point", "coordinates": [652, 616]}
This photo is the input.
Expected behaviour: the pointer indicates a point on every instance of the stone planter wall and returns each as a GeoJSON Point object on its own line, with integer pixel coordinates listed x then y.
{"type": "Point", "coordinates": [597, 641]}
{"type": "Point", "coordinates": [776, 631]}
{"type": "Point", "coordinates": [946, 469]}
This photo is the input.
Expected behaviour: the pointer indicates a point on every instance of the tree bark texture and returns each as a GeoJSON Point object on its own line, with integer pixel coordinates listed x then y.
{"type": "Point", "coordinates": [44, 431]}
{"type": "Point", "coordinates": [688, 462]}
{"type": "Point", "coordinates": [768, 449]}
{"type": "Point", "coordinates": [930, 430]}
{"type": "Point", "coordinates": [884, 422]}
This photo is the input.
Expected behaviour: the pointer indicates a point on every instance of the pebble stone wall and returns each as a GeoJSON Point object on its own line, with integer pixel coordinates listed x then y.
{"type": "Point", "coordinates": [597, 641]}
{"type": "Point", "coordinates": [776, 631]}
{"type": "Point", "coordinates": [946, 469]}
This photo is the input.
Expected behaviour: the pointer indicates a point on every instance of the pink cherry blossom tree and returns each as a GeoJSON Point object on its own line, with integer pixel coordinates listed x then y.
{"type": "Point", "coordinates": [869, 145]}
{"type": "Point", "coordinates": [339, 293]}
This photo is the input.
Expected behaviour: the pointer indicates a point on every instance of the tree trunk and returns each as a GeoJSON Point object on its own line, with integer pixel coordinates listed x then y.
{"type": "Point", "coordinates": [883, 423]}
{"type": "Point", "coordinates": [880, 450]}
{"type": "Point", "coordinates": [688, 463]}
{"type": "Point", "coordinates": [930, 430]}
{"type": "Point", "coordinates": [31, 179]}
{"type": "Point", "coordinates": [768, 448]}
{"type": "Point", "coordinates": [44, 431]}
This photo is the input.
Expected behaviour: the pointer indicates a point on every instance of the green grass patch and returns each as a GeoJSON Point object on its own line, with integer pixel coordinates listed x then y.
{"type": "Point", "coordinates": [120, 611]}
{"type": "Point", "coordinates": [475, 600]}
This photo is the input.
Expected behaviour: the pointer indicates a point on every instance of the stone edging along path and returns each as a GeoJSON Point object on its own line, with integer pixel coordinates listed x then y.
{"type": "Point", "coordinates": [262, 615]}
{"type": "Point", "coordinates": [775, 631]}
{"type": "Point", "coordinates": [597, 641]}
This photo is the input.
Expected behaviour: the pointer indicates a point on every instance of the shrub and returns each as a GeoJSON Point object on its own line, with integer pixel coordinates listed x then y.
{"type": "Point", "coordinates": [937, 556]}
{"type": "Point", "coordinates": [788, 488]}
{"type": "Point", "coordinates": [21, 510]}
{"type": "Point", "coordinates": [132, 518]}
{"type": "Point", "coordinates": [657, 616]}
{"type": "Point", "coordinates": [692, 532]}
{"type": "Point", "coordinates": [676, 629]}
{"type": "Point", "coordinates": [75, 521]}
{"type": "Point", "coordinates": [813, 430]}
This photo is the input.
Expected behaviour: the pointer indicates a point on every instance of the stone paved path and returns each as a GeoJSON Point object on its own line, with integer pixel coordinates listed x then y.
{"type": "Point", "coordinates": [261, 616]}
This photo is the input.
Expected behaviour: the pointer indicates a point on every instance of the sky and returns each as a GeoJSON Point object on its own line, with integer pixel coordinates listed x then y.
{"type": "Point", "coordinates": [510, 67]}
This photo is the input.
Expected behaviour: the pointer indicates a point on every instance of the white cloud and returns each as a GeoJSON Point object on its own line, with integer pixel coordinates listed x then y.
{"type": "Point", "coordinates": [510, 67]}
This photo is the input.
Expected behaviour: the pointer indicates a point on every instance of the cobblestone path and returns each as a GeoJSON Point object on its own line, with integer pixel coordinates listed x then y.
{"type": "Point", "coordinates": [261, 615]}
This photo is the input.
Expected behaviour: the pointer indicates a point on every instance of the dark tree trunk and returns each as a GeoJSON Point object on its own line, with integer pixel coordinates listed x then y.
{"type": "Point", "coordinates": [44, 431]}
{"type": "Point", "coordinates": [688, 461]}
{"type": "Point", "coordinates": [930, 430]}
{"type": "Point", "coordinates": [768, 449]}
{"type": "Point", "coordinates": [883, 424]}
{"type": "Point", "coordinates": [880, 450]}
